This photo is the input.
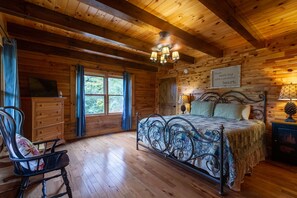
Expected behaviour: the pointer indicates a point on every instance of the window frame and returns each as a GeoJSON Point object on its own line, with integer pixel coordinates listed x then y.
{"type": "Point", "coordinates": [106, 95]}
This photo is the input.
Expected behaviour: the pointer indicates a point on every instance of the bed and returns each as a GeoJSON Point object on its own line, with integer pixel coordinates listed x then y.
{"type": "Point", "coordinates": [223, 150]}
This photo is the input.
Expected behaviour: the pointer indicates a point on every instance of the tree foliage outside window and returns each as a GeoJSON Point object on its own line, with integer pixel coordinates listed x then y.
{"type": "Point", "coordinates": [115, 97]}
{"type": "Point", "coordinates": [99, 90]}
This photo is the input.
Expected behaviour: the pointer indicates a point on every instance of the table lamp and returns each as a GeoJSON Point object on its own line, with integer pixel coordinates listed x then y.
{"type": "Point", "coordinates": [289, 92]}
{"type": "Point", "coordinates": [183, 99]}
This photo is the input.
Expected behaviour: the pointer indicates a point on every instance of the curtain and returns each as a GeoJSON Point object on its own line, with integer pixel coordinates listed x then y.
{"type": "Point", "coordinates": [10, 80]}
{"type": "Point", "coordinates": [80, 102]}
{"type": "Point", "coordinates": [127, 104]}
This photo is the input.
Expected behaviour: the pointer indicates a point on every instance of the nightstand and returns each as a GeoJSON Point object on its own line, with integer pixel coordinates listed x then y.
{"type": "Point", "coordinates": [284, 141]}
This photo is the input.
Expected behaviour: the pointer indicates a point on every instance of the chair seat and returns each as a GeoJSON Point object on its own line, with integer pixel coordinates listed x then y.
{"type": "Point", "coordinates": [52, 165]}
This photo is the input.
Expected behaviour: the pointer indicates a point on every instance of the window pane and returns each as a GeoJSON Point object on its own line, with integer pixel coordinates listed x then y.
{"type": "Point", "coordinates": [94, 104]}
{"type": "Point", "coordinates": [115, 104]}
{"type": "Point", "coordinates": [115, 86]}
{"type": "Point", "coordinates": [94, 85]}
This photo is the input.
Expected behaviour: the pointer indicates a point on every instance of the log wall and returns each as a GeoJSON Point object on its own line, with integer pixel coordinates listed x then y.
{"type": "Point", "coordinates": [62, 70]}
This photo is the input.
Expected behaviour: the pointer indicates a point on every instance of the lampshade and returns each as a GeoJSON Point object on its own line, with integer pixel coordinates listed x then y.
{"type": "Point", "coordinates": [288, 92]}
{"type": "Point", "coordinates": [175, 55]}
{"type": "Point", "coordinates": [165, 51]}
{"type": "Point", "coordinates": [185, 99]}
{"type": "Point", "coordinates": [163, 59]}
{"type": "Point", "coordinates": [153, 56]}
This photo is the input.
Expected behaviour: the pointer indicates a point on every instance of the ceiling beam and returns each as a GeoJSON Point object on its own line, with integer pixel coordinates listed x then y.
{"type": "Point", "coordinates": [33, 12]}
{"type": "Point", "coordinates": [132, 13]}
{"type": "Point", "coordinates": [224, 11]}
{"type": "Point", "coordinates": [46, 49]}
{"type": "Point", "coordinates": [39, 36]}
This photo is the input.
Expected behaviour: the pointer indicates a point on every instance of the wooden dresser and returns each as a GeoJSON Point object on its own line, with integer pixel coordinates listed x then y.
{"type": "Point", "coordinates": [44, 118]}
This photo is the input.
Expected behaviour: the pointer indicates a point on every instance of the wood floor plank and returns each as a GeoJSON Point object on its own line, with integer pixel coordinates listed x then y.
{"type": "Point", "coordinates": [109, 166]}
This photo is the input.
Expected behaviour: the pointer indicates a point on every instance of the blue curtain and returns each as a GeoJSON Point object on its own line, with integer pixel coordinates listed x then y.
{"type": "Point", "coordinates": [80, 102]}
{"type": "Point", "coordinates": [10, 88]}
{"type": "Point", "coordinates": [127, 104]}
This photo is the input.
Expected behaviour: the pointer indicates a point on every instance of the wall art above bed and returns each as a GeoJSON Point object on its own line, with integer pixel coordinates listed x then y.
{"type": "Point", "coordinates": [226, 77]}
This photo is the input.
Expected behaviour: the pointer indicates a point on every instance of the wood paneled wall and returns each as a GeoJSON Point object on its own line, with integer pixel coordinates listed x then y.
{"type": "Point", "coordinates": [63, 70]}
{"type": "Point", "coordinates": [2, 34]}
{"type": "Point", "coordinates": [265, 69]}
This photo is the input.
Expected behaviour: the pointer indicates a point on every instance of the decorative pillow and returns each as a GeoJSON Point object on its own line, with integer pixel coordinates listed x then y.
{"type": "Point", "coordinates": [246, 112]}
{"type": "Point", "coordinates": [27, 149]}
{"type": "Point", "coordinates": [202, 108]}
{"type": "Point", "coordinates": [231, 111]}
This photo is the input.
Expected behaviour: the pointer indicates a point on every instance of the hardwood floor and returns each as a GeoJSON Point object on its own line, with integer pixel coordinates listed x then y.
{"type": "Point", "coordinates": [110, 166]}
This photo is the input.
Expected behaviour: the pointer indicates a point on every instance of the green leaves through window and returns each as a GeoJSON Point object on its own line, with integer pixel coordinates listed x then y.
{"type": "Point", "coordinates": [103, 95]}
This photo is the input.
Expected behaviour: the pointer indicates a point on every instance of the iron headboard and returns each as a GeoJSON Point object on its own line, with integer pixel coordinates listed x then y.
{"type": "Point", "coordinates": [258, 106]}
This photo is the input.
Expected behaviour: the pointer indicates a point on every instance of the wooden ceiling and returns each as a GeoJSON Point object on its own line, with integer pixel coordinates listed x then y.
{"type": "Point", "coordinates": [124, 32]}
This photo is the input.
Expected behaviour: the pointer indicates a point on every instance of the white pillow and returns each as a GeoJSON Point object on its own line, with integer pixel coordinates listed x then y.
{"type": "Point", "coordinates": [27, 149]}
{"type": "Point", "coordinates": [246, 112]}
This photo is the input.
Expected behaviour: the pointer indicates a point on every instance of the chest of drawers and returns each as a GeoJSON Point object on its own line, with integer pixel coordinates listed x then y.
{"type": "Point", "coordinates": [44, 118]}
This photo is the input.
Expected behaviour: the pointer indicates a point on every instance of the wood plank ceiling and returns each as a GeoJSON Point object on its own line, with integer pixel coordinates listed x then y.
{"type": "Point", "coordinates": [123, 32]}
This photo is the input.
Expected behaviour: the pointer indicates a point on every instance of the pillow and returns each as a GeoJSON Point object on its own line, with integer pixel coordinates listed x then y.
{"type": "Point", "coordinates": [246, 112]}
{"type": "Point", "coordinates": [202, 108]}
{"type": "Point", "coordinates": [231, 111]}
{"type": "Point", "coordinates": [27, 149]}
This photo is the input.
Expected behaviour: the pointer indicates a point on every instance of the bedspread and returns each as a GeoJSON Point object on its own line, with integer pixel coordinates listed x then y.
{"type": "Point", "coordinates": [243, 143]}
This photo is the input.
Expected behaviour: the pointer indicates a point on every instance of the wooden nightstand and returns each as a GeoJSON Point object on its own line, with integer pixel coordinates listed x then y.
{"type": "Point", "coordinates": [284, 141]}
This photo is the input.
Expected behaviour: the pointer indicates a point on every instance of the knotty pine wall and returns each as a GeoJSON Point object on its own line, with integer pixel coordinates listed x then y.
{"type": "Point", "coordinates": [62, 69]}
{"type": "Point", "coordinates": [264, 69]}
{"type": "Point", "coordinates": [4, 27]}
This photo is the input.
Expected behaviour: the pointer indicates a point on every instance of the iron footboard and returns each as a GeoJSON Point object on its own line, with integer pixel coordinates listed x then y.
{"type": "Point", "coordinates": [178, 140]}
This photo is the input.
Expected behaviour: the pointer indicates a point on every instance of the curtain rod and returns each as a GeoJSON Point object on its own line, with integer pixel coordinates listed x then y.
{"type": "Point", "coordinates": [10, 42]}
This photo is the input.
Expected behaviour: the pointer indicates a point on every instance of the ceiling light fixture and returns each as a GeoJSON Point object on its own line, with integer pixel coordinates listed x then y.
{"type": "Point", "coordinates": [163, 49]}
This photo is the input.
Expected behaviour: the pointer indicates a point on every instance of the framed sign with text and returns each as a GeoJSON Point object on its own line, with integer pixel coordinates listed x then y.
{"type": "Point", "coordinates": [226, 77]}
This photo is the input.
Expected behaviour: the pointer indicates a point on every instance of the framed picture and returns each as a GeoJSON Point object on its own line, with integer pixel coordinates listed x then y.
{"type": "Point", "coordinates": [226, 77]}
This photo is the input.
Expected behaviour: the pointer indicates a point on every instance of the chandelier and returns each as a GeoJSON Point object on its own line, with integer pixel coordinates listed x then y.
{"type": "Point", "coordinates": [163, 49]}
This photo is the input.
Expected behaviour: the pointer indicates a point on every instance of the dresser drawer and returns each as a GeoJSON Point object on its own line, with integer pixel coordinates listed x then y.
{"type": "Point", "coordinates": [51, 132]}
{"type": "Point", "coordinates": [39, 106]}
{"type": "Point", "coordinates": [48, 121]}
{"type": "Point", "coordinates": [43, 114]}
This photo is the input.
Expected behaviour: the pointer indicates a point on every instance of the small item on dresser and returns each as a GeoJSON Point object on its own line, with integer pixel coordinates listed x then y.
{"type": "Point", "coordinates": [60, 94]}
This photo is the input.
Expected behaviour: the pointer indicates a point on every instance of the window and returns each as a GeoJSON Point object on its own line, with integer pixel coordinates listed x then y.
{"type": "Point", "coordinates": [103, 94]}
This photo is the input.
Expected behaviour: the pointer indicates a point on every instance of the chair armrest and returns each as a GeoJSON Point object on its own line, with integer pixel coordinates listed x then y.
{"type": "Point", "coordinates": [49, 160]}
{"type": "Point", "coordinates": [52, 149]}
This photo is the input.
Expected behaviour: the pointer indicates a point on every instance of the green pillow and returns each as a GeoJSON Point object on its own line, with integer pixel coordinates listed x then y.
{"type": "Point", "coordinates": [202, 108]}
{"type": "Point", "coordinates": [231, 111]}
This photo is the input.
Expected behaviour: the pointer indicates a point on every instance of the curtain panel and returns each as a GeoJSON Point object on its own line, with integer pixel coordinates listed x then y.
{"type": "Point", "coordinates": [127, 104]}
{"type": "Point", "coordinates": [10, 95]}
{"type": "Point", "coordinates": [80, 102]}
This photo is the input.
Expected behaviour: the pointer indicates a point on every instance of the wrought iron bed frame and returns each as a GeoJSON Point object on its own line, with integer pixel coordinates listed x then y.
{"type": "Point", "coordinates": [169, 142]}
